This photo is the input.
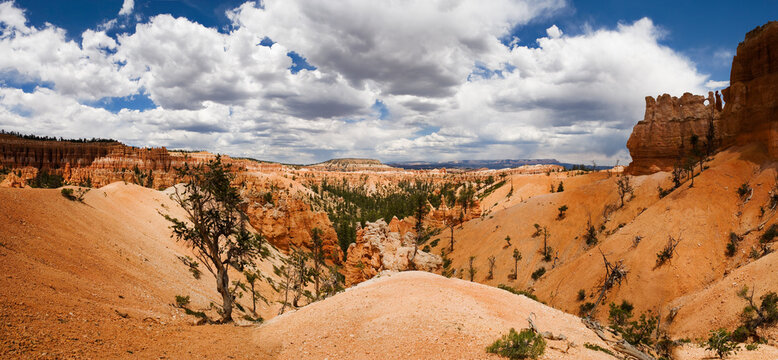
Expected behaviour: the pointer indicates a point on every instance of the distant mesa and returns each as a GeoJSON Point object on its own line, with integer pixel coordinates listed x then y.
{"type": "Point", "coordinates": [351, 164]}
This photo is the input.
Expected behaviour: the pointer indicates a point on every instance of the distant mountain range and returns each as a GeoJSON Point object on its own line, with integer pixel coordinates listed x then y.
{"type": "Point", "coordinates": [479, 164]}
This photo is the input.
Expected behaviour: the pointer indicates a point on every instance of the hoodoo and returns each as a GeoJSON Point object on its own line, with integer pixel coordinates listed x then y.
{"type": "Point", "coordinates": [749, 114]}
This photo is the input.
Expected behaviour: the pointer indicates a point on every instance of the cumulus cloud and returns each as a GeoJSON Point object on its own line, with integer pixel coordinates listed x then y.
{"type": "Point", "coordinates": [127, 7]}
{"type": "Point", "coordinates": [446, 84]}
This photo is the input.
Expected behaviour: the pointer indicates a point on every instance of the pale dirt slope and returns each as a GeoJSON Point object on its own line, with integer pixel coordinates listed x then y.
{"type": "Point", "coordinates": [417, 315]}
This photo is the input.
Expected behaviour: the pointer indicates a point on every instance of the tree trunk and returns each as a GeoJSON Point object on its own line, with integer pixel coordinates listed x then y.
{"type": "Point", "coordinates": [452, 237]}
{"type": "Point", "coordinates": [222, 286]}
{"type": "Point", "coordinates": [253, 299]}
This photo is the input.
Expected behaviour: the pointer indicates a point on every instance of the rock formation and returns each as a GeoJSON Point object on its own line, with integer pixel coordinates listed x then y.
{"type": "Point", "coordinates": [663, 137]}
{"type": "Point", "coordinates": [750, 113]}
{"type": "Point", "coordinates": [751, 110]}
{"type": "Point", "coordinates": [286, 221]}
{"type": "Point", "coordinates": [381, 246]}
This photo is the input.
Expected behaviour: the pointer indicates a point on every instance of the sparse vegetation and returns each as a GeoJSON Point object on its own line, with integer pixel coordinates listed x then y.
{"type": "Point", "coordinates": [769, 234]}
{"type": "Point", "coordinates": [667, 252]}
{"type": "Point", "coordinates": [214, 226]}
{"type": "Point", "coordinates": [182, 301]}
{"type": "Point", "coordinates": [591, 236]}
{"type": "Point", "coordinates": [586, 308]}
{"type": "Point", "coordinates": [581, 295]}
{"type": "Point", "coordinates": [192, 265]}
{"type": "Point", "coordinates": [561, 214]}
{"type": "Point", "coordinates": [596, 347]}
{"type": "Point", "coordinates": [74, 195]}
{"type": "Point", "coordinates": [537, 274]}
{"type": "Point", "coordinates": [516, 258]}
{"type": "Point", "coordinates": [522, 345]}
{"type": "Point", "coordinates": [472, 270]}
{"type": "Point", "coordinates": [744, 190]}
{"type": "Point", "coordinates": [624, 188]}
{"type": "Point", "coordinates": [720, 342]}
{"type": "Point", "coordinates": [492, 259]}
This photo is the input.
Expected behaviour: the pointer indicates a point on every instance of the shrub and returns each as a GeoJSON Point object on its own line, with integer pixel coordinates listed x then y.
{"type": "Point", "coordinates": [619, 315]}
{"type": "Point", "coordinates": [731, 249]}
{"type": "Point", "coordinates": [721, 343]}
{"type": "Point", "coordinates": [585, 308]}
{"type": "Point", "coordinates": [596, 347]}
{"type": "Point", "coordinates": [434, 243]}
{"type": "Point", "coordinates": [581, 295]}
{"type": "Point", "coordinates": [743, 190]}
{"type": "Point", "coordinates": [73, 195]}
{"type": "Point", "coordinates": [663, 192]}
{"type": "Point", "coordinates": [547, 254]}
{"type": "Point", "coordinates": [518, 292]}
{"type": "Point", "coordinates": [562, 210]}
{"type": "Point", "coordinates": [639, 332]}
{"type": "Point", "coordinates": [182, 301]}
{"type": "Point", "coordinates": [524, 345]}
{"type": "Point", "coordinates": [769, 234]}
{"type": "Point", "coordinates": [538, 273]}
{"type": "Point", "coordinates": [591, 236]}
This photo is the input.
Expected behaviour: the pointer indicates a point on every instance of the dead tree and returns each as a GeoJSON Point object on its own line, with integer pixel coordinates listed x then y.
{"type": "Point", "coordinates": [614, 275]}
{"type": "Point", "coordinates": [492, 259]}
{"type": "Point", "coordinates": [668, 251]}
{"type": "Point", "coordinates": [625, 188]}
{"type": "Point", "coordinates": [472, 270]}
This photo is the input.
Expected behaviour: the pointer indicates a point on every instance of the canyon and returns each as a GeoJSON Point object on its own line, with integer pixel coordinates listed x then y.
{"type": "Point", "coordinates": [404, 243]}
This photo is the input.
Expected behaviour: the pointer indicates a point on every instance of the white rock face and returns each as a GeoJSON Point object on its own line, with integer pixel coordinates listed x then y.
{"type": "Point", "coordinates": [381, 247]}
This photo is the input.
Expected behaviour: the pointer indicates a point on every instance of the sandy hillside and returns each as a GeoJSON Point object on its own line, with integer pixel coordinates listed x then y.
{"type": "Point", "coordinates": [698, 265]}
{"type": "Point", "coordinates": [72, 270]}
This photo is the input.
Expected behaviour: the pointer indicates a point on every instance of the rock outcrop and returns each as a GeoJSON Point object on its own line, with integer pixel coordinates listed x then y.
{"type": "Point", "coordinates": [663, 137]}
{"type": "Point", "coordinates": [381, 246]}
{"type": "Point", "coordinates": [749, 114]}
{"type": "Point", "coordinates": [751, 110]}
{"type": "Point", "coordinates": [285, 220]}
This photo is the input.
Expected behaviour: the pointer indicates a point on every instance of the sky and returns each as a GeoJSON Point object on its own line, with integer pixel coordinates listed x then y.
{"type": "Point", "coordinates": [398, 80]}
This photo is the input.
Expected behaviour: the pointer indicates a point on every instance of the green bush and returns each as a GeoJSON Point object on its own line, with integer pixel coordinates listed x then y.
{"type": "Point", "coordinates": [769, 234]}
{"type": "Point", "coordinates": [73, 195]}
{"type": "Point", "coordinates": [596, 347]}
{"type": "Point", "coordinates": [518, 292]}
{"type": "Point", "coordinates": [620, 315]}
{"type": "Point", "coordinates": [538, 273]}
{"type": "Point", "coordinates": [731, 249]}
{"type": "Point", "coordinates": [585, 308]}
{"type": "Point", "coordinates": [743, 190]}
{"type": "Point", "coordinates": [524, 345]}
{"type": "Point", "coordinates": [720, 342]}
{"type": "Point", "coordinates": [182, 301]}
{"type": "Point", "coordinates": [581, 295]}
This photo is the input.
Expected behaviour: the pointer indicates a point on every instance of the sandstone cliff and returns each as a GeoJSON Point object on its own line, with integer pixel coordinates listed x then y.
{"type": "Point", "coordinates": [381, 246]}
{"type": "Point", "coordinates": [749, 114]}
{"type": "Point", "coordinates": [751, 110]}
{"type": "Point", "coordinates": [663, 137]}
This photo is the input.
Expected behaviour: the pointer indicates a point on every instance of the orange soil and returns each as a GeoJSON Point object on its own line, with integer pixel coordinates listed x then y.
{"type": "Point", "coordinates": [702, 217]}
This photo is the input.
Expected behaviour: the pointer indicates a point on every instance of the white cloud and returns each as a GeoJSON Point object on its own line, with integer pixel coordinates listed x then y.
{"type": "Point", "coordinates": [452, 88]}
{"type": "Point", "coordinates": [715, 85]}
{"type": "Point", "coordinates": [127, 7]}
{"type": "Point", "coordinates": [554, 32]}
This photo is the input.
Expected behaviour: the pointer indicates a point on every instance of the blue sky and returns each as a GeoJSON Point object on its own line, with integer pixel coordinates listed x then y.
{"type": "Point", "coordinates": [297, 81]}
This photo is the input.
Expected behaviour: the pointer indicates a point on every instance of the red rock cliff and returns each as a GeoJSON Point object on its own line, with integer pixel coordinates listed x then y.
{"type": "Point", "coordinates": [750, 111]}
